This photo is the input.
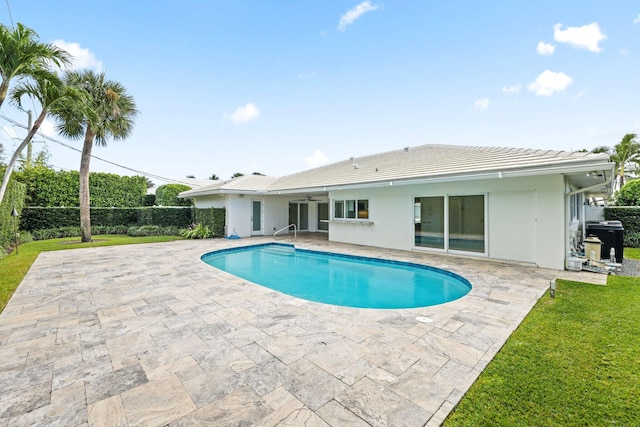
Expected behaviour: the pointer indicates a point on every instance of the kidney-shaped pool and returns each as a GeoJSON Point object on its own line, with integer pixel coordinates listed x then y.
{"type": "Point", "coordinates": [339, 279]}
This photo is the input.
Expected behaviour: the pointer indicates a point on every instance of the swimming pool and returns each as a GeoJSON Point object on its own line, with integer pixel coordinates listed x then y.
{"type": "Point", "coordinates": [339, 279]}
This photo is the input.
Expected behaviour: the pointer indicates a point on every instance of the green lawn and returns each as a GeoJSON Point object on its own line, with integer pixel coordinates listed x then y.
{"type": "Point", "coordinates": [15, 266]}
{"type": "Point", "coordinates": [574, 360]}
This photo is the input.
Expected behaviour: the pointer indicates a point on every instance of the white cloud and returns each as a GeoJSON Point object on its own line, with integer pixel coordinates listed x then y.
{"type": "Point", "coordinates": [510, 90]}
{"type": "Point", "coordinates": [585, 37]}
{"type": "Point", "coordinates": [243, 114]}
{"type": "Point", "coordinates": [318, 158]}
{"type": "Point", "coordinates": [637, 20]}
{"type": "Point", "coordinates": [545, 48]}
{"type": "Point", "coordinates": [481, 104]}
{"type": "Point", "coordinates": [549, 82]}
{"type": "Point", "coordinates": [82, 58]}
{"type": "Point", "coordinates": [355, 13]}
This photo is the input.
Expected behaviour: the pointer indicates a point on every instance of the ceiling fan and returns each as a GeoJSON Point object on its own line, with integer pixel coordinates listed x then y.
{"type": "Point", "coordinates": [308, 198]}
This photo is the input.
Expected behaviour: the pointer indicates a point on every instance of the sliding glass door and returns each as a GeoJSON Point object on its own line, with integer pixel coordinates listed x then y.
{"type": "Point", "coordinates": [299, 215]}
{"type": "Point", "coordinates": [451, 223]}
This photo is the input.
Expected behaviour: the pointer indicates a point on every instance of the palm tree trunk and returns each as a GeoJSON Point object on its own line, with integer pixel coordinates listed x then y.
{"type": "Point", "coordinates": [16, 154]}
{"type": "Point", "coordinates": [4, 88]}
{"type": "Point", "coordinates": [85, 210]}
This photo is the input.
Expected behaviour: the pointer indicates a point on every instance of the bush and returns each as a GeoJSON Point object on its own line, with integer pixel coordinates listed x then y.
{"type": "Point", "coordinates": [153, 230]}
{"type": "Point", "coordinates": [197, 231]}
{"type": "Point", "coordinates": [149, 200]}
{"type": "Point", "coordinates": [628, 216]}
{"type": "Point", "coordinates": [55, 233]}
{"type": "Point", "coordinates": [631, 240]}
{"type": "Point", "coordinates": [167, 195]}
{"type": "Point", "coordinates": [629, 194]}
{"type": "Point", "coordinates": [46, 187]}
{"type": "Point", "coordinates": [36, 218]}
{"type": "Point", "coordinates": [214, 218]}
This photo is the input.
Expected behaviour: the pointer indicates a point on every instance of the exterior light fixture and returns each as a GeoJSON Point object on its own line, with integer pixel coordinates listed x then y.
{"type": "Point", "coordinates": [552, 288]}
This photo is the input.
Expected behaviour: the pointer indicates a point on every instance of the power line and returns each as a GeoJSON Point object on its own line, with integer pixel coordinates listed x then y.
{"type": "Point", "coordinates": [158, 177]}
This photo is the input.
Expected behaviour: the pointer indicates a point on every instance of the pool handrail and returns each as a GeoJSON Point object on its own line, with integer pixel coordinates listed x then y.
{"type": "Point", "coordinates": [295, 231]}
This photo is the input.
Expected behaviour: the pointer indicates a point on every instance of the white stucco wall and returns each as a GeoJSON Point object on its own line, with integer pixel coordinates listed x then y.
{"type": "Point", "coordinates": [205, 202]}
{"type": "Point", "coordinates": [525, 217]}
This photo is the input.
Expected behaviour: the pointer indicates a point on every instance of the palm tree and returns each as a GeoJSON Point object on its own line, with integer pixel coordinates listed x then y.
{"type": "Point", "coordinates": [625, 153]}
{"type": "Point", "coordinates": [54, 97]}
{"type": "Point", "coordinates": [22, 54]}
{"type": "Point", "coordinates": [111, 112]}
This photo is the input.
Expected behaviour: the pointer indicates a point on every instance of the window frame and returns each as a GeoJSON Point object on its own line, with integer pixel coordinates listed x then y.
{"type": "Point", "coordinates": [349, 210]}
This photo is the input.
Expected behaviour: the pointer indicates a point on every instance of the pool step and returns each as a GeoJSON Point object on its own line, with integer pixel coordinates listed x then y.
{"type": "Point", "coordinates": [280, 249]}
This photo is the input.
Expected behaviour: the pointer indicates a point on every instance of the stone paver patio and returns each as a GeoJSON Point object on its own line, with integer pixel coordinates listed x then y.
{"type": "Point", "coordinates": [148, 335]}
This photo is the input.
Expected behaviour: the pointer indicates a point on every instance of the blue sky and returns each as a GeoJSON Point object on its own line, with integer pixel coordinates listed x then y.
{"type": "Point", "coordinates": [282, 86]}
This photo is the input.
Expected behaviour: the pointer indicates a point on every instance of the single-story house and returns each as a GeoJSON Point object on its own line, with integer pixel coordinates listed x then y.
{"type": "Point", "coordinates": [500, 203]}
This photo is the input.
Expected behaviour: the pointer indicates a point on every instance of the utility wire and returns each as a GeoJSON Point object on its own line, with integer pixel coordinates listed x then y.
{"type": "Point", "coordinates": [48, 138]}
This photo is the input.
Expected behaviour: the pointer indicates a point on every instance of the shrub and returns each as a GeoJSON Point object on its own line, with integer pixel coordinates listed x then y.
{"type": "Point", "coordinates": [197, 231]}
{"type": "Point", "coordinates": [628, 216]}
{"type": "Point", "coordinates": [167, 195]}
{"type": "Point", "coordinates": [629, 194]}
{"type": "Point", "coordinates": [37, 218]}
{"type": "Point", "coordinates": [46, 187]}
{"type": "Point", "coordinates": [212, 217]}
{"type": "Point", "coordinates": [632, 239]}
{"type": "Point", "coordinates": [149, 200]}
{"type": "Point", "coordinates": [55, 233]}
{"type": "Point", "coordinates": [153, 230]}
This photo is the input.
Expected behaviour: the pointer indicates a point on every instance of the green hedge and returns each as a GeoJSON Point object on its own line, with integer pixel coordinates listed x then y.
{"type": "Point", "coordinates": [37, 218]}
{"type": "Point", "coordinates": [629, 216]}
{"type": "Point", "coordinates": [165, 216]}
{"type": "Point", "coordinates": [167, 195]}
{"type": "Point", "coordinates": [14, 197]}
{"type": "Point", "coordinates": [46, 187]}
{"type": "Point", "coordinates": [214, 218]}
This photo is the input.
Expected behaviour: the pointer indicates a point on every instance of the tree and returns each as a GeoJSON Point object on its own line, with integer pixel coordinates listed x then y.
{"type": "Point", "coordinates": [258, 173]}
{"type": "Point", "coordinates": [22, 54]}
{"type": "Point", "coordinates": [629, 194]}
{"type": "Point", "coordinates": [167, 195]}
{"type": "Point", "coordinates": [109, 113]}
{"type": "Point", "coordinates": [236, 175]}
{"type": "Point", "coordinates": [191, 176]}
{"type": "Point", "coordinates": [214, 177]}
{"type": "Point", "coordinates": [55, 97]}
{"type": "Point", "coordinates": [624, 154]}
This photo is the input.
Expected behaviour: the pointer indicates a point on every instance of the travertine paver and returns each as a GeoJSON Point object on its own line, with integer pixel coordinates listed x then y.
{"type": "Point", "coordinates": [150, 335]}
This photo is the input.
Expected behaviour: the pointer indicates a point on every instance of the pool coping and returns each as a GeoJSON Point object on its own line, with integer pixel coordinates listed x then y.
{"type": "Point", "coordinates": [149, 334]}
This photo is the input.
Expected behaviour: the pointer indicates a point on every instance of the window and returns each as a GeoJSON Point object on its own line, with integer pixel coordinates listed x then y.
{"type": "Point", "coordinates": [338, 209]}
{"type": "Point", "coordinates": [351, 209]}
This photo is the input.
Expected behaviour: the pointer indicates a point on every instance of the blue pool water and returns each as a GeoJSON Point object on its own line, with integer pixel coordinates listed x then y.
{"type": "Point", "coordinates": [340, 279]}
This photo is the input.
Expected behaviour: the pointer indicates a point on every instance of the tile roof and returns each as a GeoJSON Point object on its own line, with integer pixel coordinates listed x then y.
{"type": "Point", "coordinates": [250, 183]}
{"type": "Point", "coordinates": [431, 161]}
